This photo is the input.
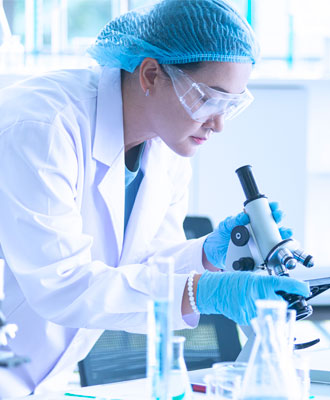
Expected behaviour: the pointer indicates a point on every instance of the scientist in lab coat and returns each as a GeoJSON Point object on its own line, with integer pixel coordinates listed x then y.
{"type": "Point", "coordinates": [94, 172]}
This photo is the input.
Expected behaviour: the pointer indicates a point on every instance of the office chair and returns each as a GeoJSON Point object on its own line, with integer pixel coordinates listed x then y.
{"type": "Point", "coordinates": [196, 226]}
{"type": "Point", "coordinates": [119, 355]}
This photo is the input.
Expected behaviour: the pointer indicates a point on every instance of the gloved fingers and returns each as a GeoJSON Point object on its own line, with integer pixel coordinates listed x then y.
{"type": "Point", "coordinates": [274, 205]}
{"type": "Point", "coordinates": [245, 317]}
{"type": "Point", "coordinates": [286, 233]}
{"type": "Point", "coordinates": [224, 226]}
{"type": "Point", "coordinates": [292, 286]}
{"type": "Point", "coordinates": [277, 215]}
{"type": "Point", "coordinates": [265, 287]}
{"type": "Point", "coordinates": [242, 219]}
{"type": "Point", "coordinates": [230, 222]}
{"type": "Point", "coordinates": [239, 313]}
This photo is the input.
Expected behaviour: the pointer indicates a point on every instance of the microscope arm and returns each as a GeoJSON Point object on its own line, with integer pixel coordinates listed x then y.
{"type": "Point", "coordinates": [244, 355]}
{"type": "Point", "coordinates": [317, 286]}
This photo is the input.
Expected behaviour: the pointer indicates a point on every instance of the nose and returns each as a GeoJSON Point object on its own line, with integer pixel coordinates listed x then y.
{"type": "Point", "coordinates": [216, 123]}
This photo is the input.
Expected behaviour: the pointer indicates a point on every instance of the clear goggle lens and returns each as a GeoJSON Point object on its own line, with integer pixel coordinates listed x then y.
{"type": "Point", "coordinates": [202, 102]}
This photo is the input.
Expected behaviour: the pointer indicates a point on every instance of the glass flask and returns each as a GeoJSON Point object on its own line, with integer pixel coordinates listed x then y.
{"type": "Point", "coordinates": [179, 385]}
{"type": "Point", "coordinates": [159, 349]}
{"type": "Point", "coordinates": [271, 374]}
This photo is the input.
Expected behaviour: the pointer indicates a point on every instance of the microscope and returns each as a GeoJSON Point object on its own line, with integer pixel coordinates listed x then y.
{"type": "Point", "coordinates": [259, 246]}
{"type": "Point", "coordinates": [7, 358]}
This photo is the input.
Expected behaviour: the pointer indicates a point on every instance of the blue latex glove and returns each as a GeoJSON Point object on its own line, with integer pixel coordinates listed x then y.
{"type": "Point", "coordinates": [216, 243]}
{"type": "Point", "coordinates": [233, 294]}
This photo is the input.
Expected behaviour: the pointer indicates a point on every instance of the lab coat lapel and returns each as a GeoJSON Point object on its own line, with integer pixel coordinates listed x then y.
{"type": "Point", "coordinates": [108, 148]}
{"type": "Point", "coordinates": [112, 189]}
{"type": "Point", "coordinates": [151, 203]}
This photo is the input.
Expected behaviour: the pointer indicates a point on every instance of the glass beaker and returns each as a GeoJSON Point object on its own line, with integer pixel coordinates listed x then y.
{"type": "Point", "coordinates": [291, 316]}
{"type": "Point", "coordinates": [159, 350]}
{"type": "Point", "coordinates": [223, 384]}
{"type": "Point", "coordinates": [271, 373]}
{"type": "Point", "coordinates": [301, 363]}
{"type": "Point", "coordinates": [179, 386]}
{"type": "Point", "coordinates": [230, 368]}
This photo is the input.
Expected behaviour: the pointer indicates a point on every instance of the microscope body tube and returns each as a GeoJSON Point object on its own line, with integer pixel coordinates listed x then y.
{"type": "Point", "coordinates": [264, 228]}
{"type": "Point", "coordinates": [263, 225]}
{"type": "Point", "coordinates": [268, 238]}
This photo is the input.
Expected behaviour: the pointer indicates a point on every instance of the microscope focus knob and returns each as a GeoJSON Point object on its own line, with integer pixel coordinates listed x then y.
{"type": "Point", "coordinates": [244, 264]}
{"type": "Point", "coordinates": [298, 303]}
{"type": "Point", "coordinates": [240, 235]}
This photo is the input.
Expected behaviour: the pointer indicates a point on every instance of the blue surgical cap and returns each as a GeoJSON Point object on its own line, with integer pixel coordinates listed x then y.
{"type": "Point", "coordinates": [176, 32]}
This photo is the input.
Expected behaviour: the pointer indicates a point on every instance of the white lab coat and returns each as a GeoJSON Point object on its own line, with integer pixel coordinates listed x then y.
{"type": "Point", "coordinates": [70, 271]}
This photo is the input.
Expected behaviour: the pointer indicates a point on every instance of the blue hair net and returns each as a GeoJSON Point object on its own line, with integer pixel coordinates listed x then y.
{"type": "Point", "coordinates": [176, 32]}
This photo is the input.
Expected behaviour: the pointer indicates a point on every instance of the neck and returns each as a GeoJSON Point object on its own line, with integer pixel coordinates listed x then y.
{"type": "Point", "coordinates": [135, 112]}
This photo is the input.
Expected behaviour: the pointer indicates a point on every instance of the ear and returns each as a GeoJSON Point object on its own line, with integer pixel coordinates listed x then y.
{"type": "Point", "coordinates": [149, 72]}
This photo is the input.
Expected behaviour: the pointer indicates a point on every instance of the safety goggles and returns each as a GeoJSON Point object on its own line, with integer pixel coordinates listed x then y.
{"type": "Point", "coordinates": [202, 102]}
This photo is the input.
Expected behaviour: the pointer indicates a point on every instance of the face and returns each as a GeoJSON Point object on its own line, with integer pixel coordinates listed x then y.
{"type": "Point", "coordinates": [171, 122]}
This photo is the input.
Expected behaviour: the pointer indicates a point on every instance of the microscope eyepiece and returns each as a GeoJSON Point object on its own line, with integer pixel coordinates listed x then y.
{"type": "Point", "coordinates": [248, 183]}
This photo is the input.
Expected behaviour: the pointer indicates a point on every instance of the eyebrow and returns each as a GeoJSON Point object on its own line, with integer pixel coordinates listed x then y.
{"type": "Point", "coordinates": [223, 90]}
{"type": "Point", "coordinates": [219, 89]}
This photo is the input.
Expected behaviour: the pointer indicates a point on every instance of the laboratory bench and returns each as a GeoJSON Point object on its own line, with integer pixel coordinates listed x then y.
{"type": "Point", "coordinates": [137, 389]}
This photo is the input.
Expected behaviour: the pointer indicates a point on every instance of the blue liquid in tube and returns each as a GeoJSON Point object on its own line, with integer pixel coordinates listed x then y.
{"type": "Point", "coordinates": [159, 348]}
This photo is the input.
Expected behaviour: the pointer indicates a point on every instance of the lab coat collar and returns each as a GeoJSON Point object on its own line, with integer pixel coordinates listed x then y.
{"type": "Point", "coordinates": [106, 146]}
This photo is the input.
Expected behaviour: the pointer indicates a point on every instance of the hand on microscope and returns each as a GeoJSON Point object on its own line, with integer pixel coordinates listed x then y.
{"type": "Point", "coordinates": [233, 294]}
{"type": "Point", "coordinates": [216, 244]}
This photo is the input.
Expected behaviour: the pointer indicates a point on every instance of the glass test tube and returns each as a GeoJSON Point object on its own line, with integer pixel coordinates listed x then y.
{"type": "Point", "coordinates": [160, 327]}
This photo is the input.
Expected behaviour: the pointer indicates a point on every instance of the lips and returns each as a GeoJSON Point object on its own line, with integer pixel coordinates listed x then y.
{"type": "Point", "coordinates": [198, 140]}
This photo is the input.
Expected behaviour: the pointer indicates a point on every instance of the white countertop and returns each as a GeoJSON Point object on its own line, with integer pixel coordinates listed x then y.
{"type": "Point", "coordinates": [137, 389]}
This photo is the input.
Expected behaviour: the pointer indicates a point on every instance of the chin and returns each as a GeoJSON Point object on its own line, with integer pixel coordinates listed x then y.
{"type": "Point", "coordinates": [187, 152]}
{"type": "Point", "coordinates": [184, 148]}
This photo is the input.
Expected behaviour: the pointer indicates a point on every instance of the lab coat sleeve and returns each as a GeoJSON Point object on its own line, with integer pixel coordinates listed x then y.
{"type": "Point", "coordinates": [43, 242]}
{"type": "Point", "coordinates": [170, 240]}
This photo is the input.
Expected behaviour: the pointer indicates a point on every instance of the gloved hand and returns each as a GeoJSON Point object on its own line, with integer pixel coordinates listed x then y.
{"type": "Point", "coordinates": [216, 243]}
{"type": "Point", "coordinates": [233, 294]}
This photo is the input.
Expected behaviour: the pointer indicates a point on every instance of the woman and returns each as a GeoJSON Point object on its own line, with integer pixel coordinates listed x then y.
{"type": "Point", "coordinates": [94, 173]}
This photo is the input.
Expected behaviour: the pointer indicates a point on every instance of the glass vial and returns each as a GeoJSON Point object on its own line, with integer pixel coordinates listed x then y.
{"type": "Point", "coordinates": [179, 386]}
